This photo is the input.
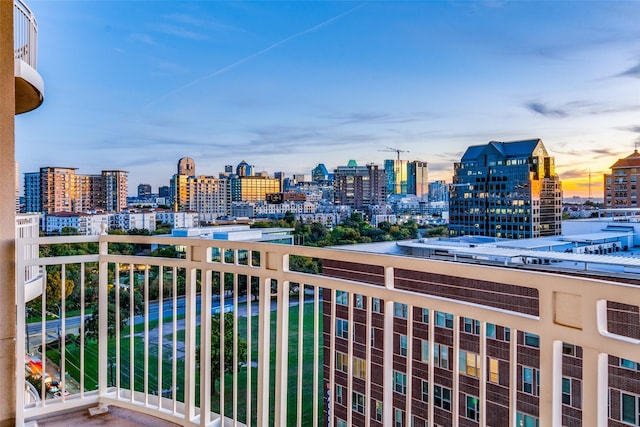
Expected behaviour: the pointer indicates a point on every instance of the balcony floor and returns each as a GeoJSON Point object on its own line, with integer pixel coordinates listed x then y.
{"type": "Point", "coordinates": [116, 417]}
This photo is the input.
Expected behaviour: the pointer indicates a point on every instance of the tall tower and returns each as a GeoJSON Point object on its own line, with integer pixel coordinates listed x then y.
{"type": "Point", "coordinates": [506, 190]}
{"type": "Point", "coordinates": [114, 190]}
{"type": "Point", "coordinates": [186, 166]}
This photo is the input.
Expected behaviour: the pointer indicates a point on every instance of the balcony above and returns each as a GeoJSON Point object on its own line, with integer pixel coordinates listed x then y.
{"type": "Point", "coordinates": [29, 85]}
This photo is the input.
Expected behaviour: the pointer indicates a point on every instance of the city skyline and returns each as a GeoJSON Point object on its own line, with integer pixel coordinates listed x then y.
{"type": "Point", "coordinates": [302, 83]}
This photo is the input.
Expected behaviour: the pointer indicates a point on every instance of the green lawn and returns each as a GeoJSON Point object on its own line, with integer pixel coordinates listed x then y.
{"type": "Point", "coordinates": [91, 358]}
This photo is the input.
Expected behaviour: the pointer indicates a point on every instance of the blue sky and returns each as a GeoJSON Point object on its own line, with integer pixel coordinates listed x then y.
{"type": "Point", "coordinates": [135, 85]}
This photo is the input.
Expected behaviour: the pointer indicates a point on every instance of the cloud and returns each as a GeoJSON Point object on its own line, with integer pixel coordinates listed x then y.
{"type": "Point", "coordinates": [255, 54]}
{"type": "Point", "coordinates": [178, 31]}
{"type": "Point", "coordinates": [632, 128]}
{"type": "Point", "coordinates": [542, 109]}
{"type": "Point", "coordinates": [142, 38]}
{"type": "Point", "coordinates": [631, 72]}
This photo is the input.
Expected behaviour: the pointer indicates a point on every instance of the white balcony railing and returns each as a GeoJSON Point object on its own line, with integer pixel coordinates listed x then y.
{"type": "Point", "coordinates": [25, 34]}
{"type": "Point", "coordinates": [152, 350]}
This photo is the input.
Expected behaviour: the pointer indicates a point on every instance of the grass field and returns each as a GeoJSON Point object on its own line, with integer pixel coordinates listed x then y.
{"type": "Point", "coordinates": [125, 343]}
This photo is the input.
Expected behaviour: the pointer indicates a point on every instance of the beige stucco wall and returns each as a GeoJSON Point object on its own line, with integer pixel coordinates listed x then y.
{"type": "Point", "coordinates": [7, 217]}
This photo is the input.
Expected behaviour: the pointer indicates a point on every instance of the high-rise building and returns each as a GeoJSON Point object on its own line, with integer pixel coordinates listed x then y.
{"type": "Point", "coordinates": [621, 185]}
{"type": "Point", "coordinates": [32, 192]}
{"type": "Point", "coordinates": [244, 169]}
{"type": "Point", "coordinates": [57, 189]}
{"type": "Point", "coordinates": [186, 166]}
{"type": "Point", "coordinates": [407, 177]}
{"type": "Point", "coordinates": [253, 188]}
{"type": "Point", "coordinates": [418, 178]}
{"type": "Point", "coordinates": [144, 190]}
{"type": "Point", "coordinates": [208, 196]}
{"type": "Point", "coordinates": [114, 190]}
{"type": "Point", "coordinates": [438, 191]}
{"type": "Point", "coordinates": [164, 191]}
{"type": "Point", "coordinates": [506, 189]}
{"type": "Point", "coordinates": [359, 186]}
{"type": "Point", "coordinates": [319, 173]}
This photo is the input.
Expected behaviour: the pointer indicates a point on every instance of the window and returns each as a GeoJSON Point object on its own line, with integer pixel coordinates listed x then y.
{"type": "Point", "coordinates": [400, 382]}
{"type": "Point", "coordinates": [524, 420]}
{"type": "Point", "coordinates": [491, 330]}
{"type": "Point", "coordinates": [341, 361]}
{"type": "Point", "coordinates": [425, 391]}
{"type": "Point", "coordinates": [398, 416]}
{"type": "Point", "coordinates": [444, 320]}
{"type": "Point", "coordinates": [494, 371]}
{"type": "Point", "coordinates": [471, 326]}
{"type": "Point", "coordinates": [340, 394]}
{"type": "Point", "coordinates": [375, 305]}
{"type": "Point", "coordinates": [342, 297]}
{"type": "Point", "coordinates": [507, 334]}
{"type": "Point", "coordinates": [531, 381]}
{"type": "Point", "coordinates": [442, 397]}
{"type": "Point", "coordinates": [342, 328]}
{"type": "Point", "coordinates": [424, 350]}
{"type": "Point", "coordinates": [568, 349]}
{"type": "Point", "coordinates": [418, 422]}
{"type": "Point", "coordinates": [359, 368]}
{"type": "Point", "coordinates": [357, 402]}
{"type": "Point", "coordinates": [403, 345]}
{"type": "Point", "coordinates": [472, 408]}
{"type": "Point", "coordinates": [400, 310]}
{"type": "Point", "coordinates": [441, 356]}
{"type": "Point", "coordinates": [630, 409]}
{"type": "Point", "coordinates": [340, 423]}
{"type": "Point", "coordinates": [425, 315]}
{"type": "Point", "coordinates": [373, 337]}
{"type": "Point", "coordinates": [566, 391]}
{"type": "Point", "coordinates": [531, 340]}
{"type": "Point", "coordinates": [359, 302]}
{"type": "Point", "coordinates": [378, 410]}
{"type": "Point", "coordinates": [629, 364]}
{"type": "Point", "coordinates": [469, 364]}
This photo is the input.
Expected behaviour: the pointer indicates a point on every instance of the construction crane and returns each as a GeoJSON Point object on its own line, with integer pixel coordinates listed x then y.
{"type": "Point", "coordinates": [395, 150]}
{"type": "Point", "coordinates": [397, 180]}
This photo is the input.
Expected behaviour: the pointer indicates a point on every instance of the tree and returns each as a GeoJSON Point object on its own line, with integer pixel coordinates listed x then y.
{"type": "Point", "coordinates": [228, 348]}
{"type": "Point", "coordinates": [91, 323]}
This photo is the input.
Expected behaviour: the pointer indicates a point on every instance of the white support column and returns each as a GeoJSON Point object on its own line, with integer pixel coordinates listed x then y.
{"type": "Point", "coordinates": [387, 359]}
{"type": "Point", "coordinates": [483, 374]}
{"type": "Point", "coordinates": [264, 348]}
{"type": "Point", "coordinates": [369, 329]}
{"type": "Point", "coordinates": [103, 310]}
{"type": "Point", "coordinates": [513, 377]}
{"type": "Point", "coordinates": [550, 382]}
{"type": "Point", "coordinates": [190, 342]}
{"type": "Point", "coordinates": [350, 334]}
{"type": "Point", "coordinates": [205, 348]}
{"type": "Point", "coordinates": [595, 387]}
{"type": "Point", "coordinates": [454, 359]}
{"type": "Point", "coordinates": [282, 354]}
{"type": "Point", "coordinates": [430, 368]}
{"type": "Point", "coordinates": [409, 363]}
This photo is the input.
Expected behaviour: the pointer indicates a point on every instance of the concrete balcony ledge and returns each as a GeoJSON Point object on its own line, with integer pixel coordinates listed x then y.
{"type": "Point", "coordinates": [115, 416]}
{"type": "Point", "coordinates": [29, 87]}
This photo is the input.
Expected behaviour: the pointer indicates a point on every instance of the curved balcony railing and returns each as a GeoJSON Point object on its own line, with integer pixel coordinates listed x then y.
{"type": "Point", "coordinates": [25, 34]}
{"type": "Point", "coordinates": [298, 348]}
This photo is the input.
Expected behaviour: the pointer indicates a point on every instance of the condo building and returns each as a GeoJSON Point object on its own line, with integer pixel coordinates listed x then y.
{"type": "Point", "coordinates": [59, 189]}
{"type": "Point", "coordinates": [506, 189]}
{"type": "Point", "coordinates": [620, 186]}
{"type": "Point", "coordinates": [359, 186]}
{"type": "Point", "coordinates": [445, 366]}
